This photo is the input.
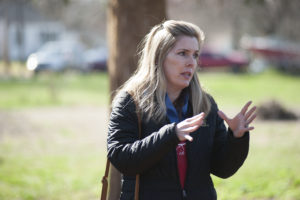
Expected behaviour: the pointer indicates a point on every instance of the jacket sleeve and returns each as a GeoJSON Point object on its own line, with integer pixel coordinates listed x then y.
{"type": "Point", "coordinates": [229, 153]}
{"type": "Point", "coordinates": [126, 152]}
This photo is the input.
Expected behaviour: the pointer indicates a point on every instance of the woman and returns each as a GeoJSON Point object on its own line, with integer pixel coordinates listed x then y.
{"type": "Point", "coordinates": [183, 136]}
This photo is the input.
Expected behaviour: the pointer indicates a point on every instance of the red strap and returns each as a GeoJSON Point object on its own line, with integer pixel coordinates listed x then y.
{"type": "Point", "coordinates": [181, 162]}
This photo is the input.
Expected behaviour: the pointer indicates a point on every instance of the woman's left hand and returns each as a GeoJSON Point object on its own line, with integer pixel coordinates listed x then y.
{"type": "Point", "coordinates": [240, 123]}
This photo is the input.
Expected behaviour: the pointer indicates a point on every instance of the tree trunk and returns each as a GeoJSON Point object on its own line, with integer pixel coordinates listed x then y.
{"type": "Point", "coordinates": [128, 22]}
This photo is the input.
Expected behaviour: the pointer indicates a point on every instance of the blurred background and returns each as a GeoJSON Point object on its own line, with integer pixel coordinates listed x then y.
{"type": "Point", "coordinates": [61, 60]}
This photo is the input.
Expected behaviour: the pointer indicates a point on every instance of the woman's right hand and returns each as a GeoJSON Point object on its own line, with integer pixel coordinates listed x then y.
{"type": "Point", "coordinates": [187, 126]}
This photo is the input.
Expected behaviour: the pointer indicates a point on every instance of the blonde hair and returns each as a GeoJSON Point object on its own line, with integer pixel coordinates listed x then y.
{"type": "Point", "coordinates": [148, 84]}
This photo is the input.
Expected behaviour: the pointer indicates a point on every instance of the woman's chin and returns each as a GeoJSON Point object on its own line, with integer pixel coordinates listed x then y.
{"type": "Point", "coordinates": [184, 85]}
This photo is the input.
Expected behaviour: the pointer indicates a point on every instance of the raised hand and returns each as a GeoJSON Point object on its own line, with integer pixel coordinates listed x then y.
{"type": "Point", "coordinates": [240, 123]}
{"type": "Point", "coordinates": [189, 125]}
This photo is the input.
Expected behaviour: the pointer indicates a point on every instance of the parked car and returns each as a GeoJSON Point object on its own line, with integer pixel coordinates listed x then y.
{"type": "Point", "coordinates": [96, 59]}
{"type": "Point", "coordinates": [57, 56]}
{"type": "Point", "coordinates": [279, 53]}
{"type": "Point", "coordinates": [235, 60]}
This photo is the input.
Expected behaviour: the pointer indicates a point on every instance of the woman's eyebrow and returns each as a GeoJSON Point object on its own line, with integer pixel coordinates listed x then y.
{"type": "Point", "coordinates": [183, 49]}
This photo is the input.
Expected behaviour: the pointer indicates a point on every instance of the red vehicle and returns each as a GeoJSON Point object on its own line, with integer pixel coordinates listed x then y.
{"type": "Point", "coordinates": [236, 61]}
{"type": "Point", "coordinates": [96, 59]}
{"type": "Point", "coordinates": [281, 54]}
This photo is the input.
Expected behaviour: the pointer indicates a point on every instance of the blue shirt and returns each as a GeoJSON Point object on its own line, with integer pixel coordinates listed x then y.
{"type": "Point", "coordinates": [172, 112]}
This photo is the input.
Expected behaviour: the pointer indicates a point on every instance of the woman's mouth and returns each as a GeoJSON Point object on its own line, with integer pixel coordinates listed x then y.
{"type": "Point", "coordinates": [186, 75]}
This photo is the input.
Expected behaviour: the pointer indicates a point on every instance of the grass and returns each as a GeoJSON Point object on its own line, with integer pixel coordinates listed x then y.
{"type": "Point", "coordinates": [47, 168]}
{"type": "Point", "coordinates": [54, 90]}
{"type": "Point", "coordinates": [50, 171]}
{"type": "Point", "coordinates": [236, 89]}
{"type": "Point", "coordinates": [271, 170]}
{"type": "Point", "coordinates": [74, 89]}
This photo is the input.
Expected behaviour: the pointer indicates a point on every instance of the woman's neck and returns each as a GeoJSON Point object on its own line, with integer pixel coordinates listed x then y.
{"type": "Point", "coordinates": [173, 94]}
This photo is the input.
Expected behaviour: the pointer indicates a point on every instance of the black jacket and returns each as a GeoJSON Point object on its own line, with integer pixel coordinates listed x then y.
{"type": "Point", "coordinates": [213, 151]}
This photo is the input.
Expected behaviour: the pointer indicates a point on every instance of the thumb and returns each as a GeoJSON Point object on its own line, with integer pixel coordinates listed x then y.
{"type": "Point", "coordinates": [223, 115]}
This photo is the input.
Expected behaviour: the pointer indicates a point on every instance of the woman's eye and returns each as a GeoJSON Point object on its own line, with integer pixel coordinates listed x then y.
{"type": "Point", "coordinates": [182, 53]}
{"type": "Point", "coordinates": [196, 55]}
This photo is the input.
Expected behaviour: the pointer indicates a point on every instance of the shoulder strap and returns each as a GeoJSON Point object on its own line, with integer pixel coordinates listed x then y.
{"type": "Point", "coordinates": [137, 181]}
{"type": "Point", "coordinates": [105, 182]}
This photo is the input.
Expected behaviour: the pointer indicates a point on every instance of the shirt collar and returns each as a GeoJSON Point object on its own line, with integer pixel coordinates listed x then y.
{"type": "Point", "coordinates": [171, 110]}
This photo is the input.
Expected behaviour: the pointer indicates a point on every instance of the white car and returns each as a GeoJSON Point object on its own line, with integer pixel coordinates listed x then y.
{"type": "Point", "coordinates": [57, 56]}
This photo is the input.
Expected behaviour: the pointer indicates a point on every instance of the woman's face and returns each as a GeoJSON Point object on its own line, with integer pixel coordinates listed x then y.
{"type": "Point", "coordinates": [180, 63]}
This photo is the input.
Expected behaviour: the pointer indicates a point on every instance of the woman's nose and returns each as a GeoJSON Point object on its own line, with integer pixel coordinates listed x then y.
{"type": "Point", "coordinates": [191, 62]}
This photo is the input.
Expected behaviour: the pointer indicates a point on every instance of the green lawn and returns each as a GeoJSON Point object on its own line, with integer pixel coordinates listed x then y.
{"type": "Point", "coordinates": [64, 165]}
{"type": "Point", "coordinates": [63, 173]}
{"type": "Point", "coordinates": [271, 170]}
{"type": "Point", "coordinates": [72, 89]}
{"type": "Point", "coordinates": [54, 90]}
{"type": "Point", "coordinates": [234, 89]}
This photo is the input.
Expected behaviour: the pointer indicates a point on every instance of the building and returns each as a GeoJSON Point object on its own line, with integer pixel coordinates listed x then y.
{"type": "Point", "coordinates": [23, 29]}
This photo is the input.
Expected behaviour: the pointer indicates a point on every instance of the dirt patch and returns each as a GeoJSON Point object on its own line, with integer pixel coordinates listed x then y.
{"type": "Point", "coordinates": [13, 123]}
{"type": "Point", "coordinates": [273, 110]}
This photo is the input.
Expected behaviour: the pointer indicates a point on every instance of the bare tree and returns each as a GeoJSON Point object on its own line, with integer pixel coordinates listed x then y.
{"type": "Point", "coordinates": [87, 18]}
{"type": "Point", "coordinates": [275, 17]}
{"type": "Point", "coordinates": [231, 19]}
{"type": "Point", "coordinates": [128, 22]}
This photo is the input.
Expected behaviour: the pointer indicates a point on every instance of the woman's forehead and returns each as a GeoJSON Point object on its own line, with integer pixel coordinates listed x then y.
{"type": "Point", "coordinates": [187, 42]}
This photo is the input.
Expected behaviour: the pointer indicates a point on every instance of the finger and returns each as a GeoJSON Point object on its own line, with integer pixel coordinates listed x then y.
{"type": "Point", "coordinates": [248, 129]}
{"type": "Point", "coordinates": [249, 113]}
{"type": "Point", "coordinates": [191, 128]}
{"type": "Point", "coordinates": [250, 119]}
{"type": "Point", "coordinates": [223, 115]}
{"type": "Point", "coordinates": [195, 117]}
{"type": "Point", "coordinates": [184, 124]}
{"type": "Point", "coordinates": [244, 130]}
{"type": "Point", "coordinates": [244, 109]}
{"type": "Point", "coordinates": [188, 137]}
{"type": "Point", "coordinates": [196, 121]}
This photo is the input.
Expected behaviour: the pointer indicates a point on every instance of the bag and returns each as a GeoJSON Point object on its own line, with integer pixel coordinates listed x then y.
{"type": "Point", "coordinates": [137, 178]}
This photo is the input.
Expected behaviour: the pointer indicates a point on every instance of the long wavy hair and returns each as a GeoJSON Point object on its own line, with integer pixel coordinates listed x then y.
{"type": "Point", "coordinates": [148, 83]}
